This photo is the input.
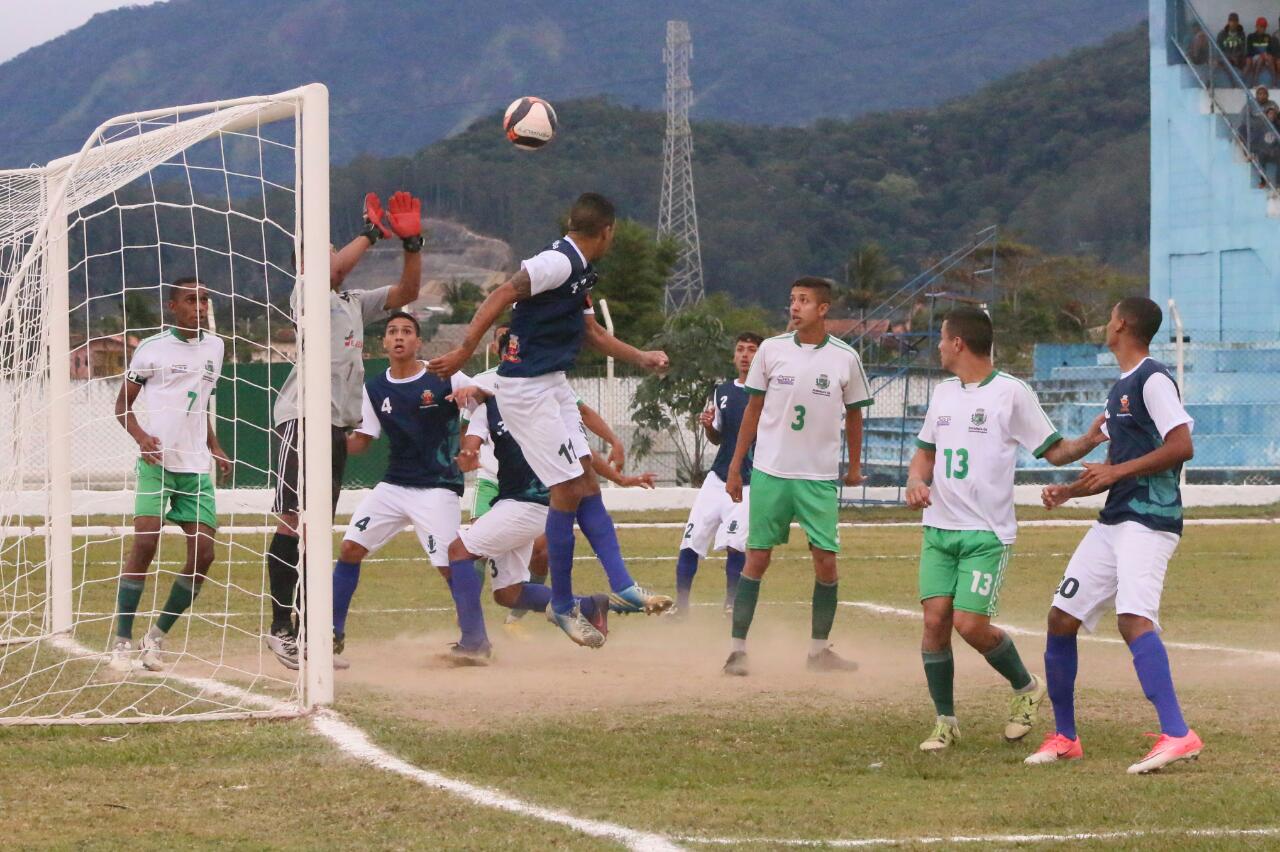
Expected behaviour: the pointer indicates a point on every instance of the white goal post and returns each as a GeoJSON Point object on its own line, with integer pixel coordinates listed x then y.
{"type": "Point", "coordinates": [236, 193]}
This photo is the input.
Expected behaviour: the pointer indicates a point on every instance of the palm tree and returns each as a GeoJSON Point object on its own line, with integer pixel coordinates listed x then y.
{"type": "Point", "coordinates": [868, 275]}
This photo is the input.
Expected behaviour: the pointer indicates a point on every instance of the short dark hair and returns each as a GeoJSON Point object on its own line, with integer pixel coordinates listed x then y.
{"type": "Point", "coordinates": [821, 286]}
{"type": "Point", "coordinates": [973, 327]}
{"type": "Point", "coordinates": [749, 337]}
{"type": "Point", "coordinates": [591, 214]}
{"type": "Point", "coordinates": [171, 289]}
{"type": "Point", "coordinates": [1143, 315]}
{"type": "Point", "coordinates": [417, 329]}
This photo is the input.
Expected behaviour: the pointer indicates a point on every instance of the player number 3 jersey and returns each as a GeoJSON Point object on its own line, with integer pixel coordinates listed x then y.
{"type": "Point", "coordinates": [807, 390]}
{"type": "Point", "coordinates": [975, 431]}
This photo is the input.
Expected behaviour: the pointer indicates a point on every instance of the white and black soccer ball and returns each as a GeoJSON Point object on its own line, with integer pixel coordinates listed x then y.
{"type": "Point", "coordinates": [530, 123]}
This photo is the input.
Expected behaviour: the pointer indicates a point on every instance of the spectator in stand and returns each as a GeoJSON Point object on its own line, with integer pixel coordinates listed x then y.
{"type": "Point", "coordinates": [1263, 97]}
{"type": "Point", "coordinates": [1259, 46]}
{"type": "Point", "coordinates": [1232, 42]}
{"type": "Point", "coordinates": [1198, 47]}
{"type": "Point", "coordinates": [1267, 148]}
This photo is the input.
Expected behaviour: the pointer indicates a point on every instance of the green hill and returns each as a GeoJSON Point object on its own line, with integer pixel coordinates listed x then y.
{"type": "Point", "coordinates": [1056, 153]}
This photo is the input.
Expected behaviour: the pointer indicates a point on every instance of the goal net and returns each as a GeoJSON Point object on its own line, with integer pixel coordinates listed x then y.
{"type": "Point", "coordinates": [235, 194]}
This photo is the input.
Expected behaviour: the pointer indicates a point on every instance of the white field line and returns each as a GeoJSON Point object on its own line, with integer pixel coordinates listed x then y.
{"type": "Point", "coordinates": [121, 530]}
{"type": "Point", "coordinates": [869, 842]}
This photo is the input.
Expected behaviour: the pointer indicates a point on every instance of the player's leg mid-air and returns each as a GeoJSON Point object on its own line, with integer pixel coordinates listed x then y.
{"type": "Point", "coordinates": [803, 385]}
{"type": "Point", "coordinates": [715, 518]}
{"type": "Point", "coordinates": [962, 476]}
{"type": "Point", "coordinates": [1125, 554]}
{"type": "Point", "coordinates": [177, 445]}
{"type": "Point", "coordinates": [551, 318]}
{"type": "Point", "coordinates": [350, 311]}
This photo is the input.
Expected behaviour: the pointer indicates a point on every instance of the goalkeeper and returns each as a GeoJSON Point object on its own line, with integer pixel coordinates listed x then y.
{"type": "Point", "coordinates": [174, 374]}
{"type": "Point", "coordinates": [349, 312]}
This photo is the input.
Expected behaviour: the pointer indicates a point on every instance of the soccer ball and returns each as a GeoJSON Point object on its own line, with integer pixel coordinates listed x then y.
{"type": "Point", "coordinates": [530, 123]}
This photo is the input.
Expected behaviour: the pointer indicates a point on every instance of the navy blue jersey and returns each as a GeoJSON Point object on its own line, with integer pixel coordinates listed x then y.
{"type": "Point", "coordinates": [516, 480]}
{"type": "Point", "coordinates": [422, 426]}
{"type": "Point", "coordinates": [1154, 501]}
{"type": "Point", "coordinates": [730, 401]}
{"type": "Point", "coordinates": [547, 328]}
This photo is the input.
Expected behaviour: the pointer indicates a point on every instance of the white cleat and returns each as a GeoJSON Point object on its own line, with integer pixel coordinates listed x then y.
{"type": "Point", "coordinates": [122, 656]}
{"type": "Point", "coordinates": [152, 645]}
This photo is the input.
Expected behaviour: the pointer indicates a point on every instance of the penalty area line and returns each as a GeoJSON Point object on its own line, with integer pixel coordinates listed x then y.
{"type": "Point", "coordinates": [870, 842]}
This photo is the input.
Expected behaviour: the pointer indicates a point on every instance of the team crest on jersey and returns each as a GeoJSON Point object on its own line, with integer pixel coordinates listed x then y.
{"type": "Point", "coordinates": [428, 399]}
{"type": "Point", "coordinates": [1124, 403]}
{"type": "Point", "coordinates": [512, 355]}
{"type": "Point", "coordinates": [978, 421]}
{"type": "Point", "coordinates": [823, 382]}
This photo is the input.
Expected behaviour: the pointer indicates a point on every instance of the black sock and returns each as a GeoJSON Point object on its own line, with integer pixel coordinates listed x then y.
{"type": "Point", "coordinates": [282, 571]}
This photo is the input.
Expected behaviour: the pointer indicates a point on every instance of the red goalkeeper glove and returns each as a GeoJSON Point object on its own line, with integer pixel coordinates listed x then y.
{"type": "Point", "coordinates": [405, 216]}
{"type": "Point", "coordinates": [373, 215]}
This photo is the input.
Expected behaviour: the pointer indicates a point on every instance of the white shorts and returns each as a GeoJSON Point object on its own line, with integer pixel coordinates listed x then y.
{"type": "Point", "coordinates": [716, 518]}
{"type": "Point", "coordinates": [541, 413]}
{"type": "Point", "coordinates": [1123, 562]}
{"type": "Point", "coordinates": [506, 534]}
{"type": "Point", "coordinates": [434, 512]}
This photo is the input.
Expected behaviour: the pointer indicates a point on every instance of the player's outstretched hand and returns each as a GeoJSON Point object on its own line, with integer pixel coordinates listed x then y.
{"type": "Point", "coordinates": [643, 480]}
{"type": "Point", "coordinates": [1053, 496]}
{"type": "Point", "coordinates": [152, 452]}
{"type": "Point", "coordinates": [918, 495]}
{"type": "Point", "coordinates": [617, 456]}
{"type": "Point", "coordinates": [853, 476]}
{"type": "Point", "coordinates": [1098, 477]}
{"type": "Point", "coordinates": [655, 361]}
{"type": "Point", "coordinates": [468, 397]}
{"type": "Point", "coordinates": [1095, 433]}
{"type": "Point", "coordinates": [224, 465]}
{"type": "Point", "coordinates": [373, 213]}
{"type": "Point", "coordinates": [733, 485]}
{"type": "Point", "coordinates": [405, 215]}
{"type": "Point", "coordinates": [449, 363]}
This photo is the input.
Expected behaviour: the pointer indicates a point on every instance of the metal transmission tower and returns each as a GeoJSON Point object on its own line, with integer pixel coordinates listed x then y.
{"type": "Point", "coordinates": [677, 212]}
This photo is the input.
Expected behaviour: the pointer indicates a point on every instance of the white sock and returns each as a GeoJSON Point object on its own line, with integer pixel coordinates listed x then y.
{"type": "Point", "coordinates": [817, 646]}
{"type": "Point", "coordinates": [738, 645]}
{"type": "Point", "coordinates": [950, 720]}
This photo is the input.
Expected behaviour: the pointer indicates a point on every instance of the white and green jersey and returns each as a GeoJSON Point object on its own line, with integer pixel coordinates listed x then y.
{"type": "Point", "coordinates": [488, 470]}
{"type": "Point", "coordinates": [975, 431]}
{"type": "Point", "coordinates": [177, 376]}
{"type": "Point", "coordinates": [807, 390]}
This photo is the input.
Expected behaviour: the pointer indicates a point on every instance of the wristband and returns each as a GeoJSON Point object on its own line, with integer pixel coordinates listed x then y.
{"type": "Point", "coordinates": [370, 232]}
{"type": "Point", "coordinates": [413, 244]}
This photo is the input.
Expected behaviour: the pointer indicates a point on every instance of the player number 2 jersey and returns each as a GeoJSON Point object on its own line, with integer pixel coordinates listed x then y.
{"type": "Point", "coordinates": [807, 390]}
{"type": "Point", "coordinates": [178, 377]}
{"type": "Point", "coordinates": [975, 431]}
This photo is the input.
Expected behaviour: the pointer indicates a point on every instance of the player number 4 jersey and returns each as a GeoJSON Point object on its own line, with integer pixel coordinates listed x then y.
{"type": "Point", "coordinates": [807, 390]}
{"type": "Point", "coordinates": [177, 376]}
{"type": "Point", "coordinates": [975, 431]}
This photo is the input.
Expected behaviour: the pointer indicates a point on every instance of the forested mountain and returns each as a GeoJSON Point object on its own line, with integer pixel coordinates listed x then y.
{"type": "Point", "coordinates": [1056, 153]}
{"type": "Point", "coordinates": [404, 73]}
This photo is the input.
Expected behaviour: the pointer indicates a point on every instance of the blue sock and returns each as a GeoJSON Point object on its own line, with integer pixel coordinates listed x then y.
{"type": "Point", "coordinates": [1151, 662]}
{"type": "Point", "coordinates": [1060, 664]}
{"type": "Point", "coordinates": [346, 576]}
{"type": "Point", "coordinates": [465, 588]}
{"type": "Point", "coordinates": [533, 596]}
{"type": "Point", "coordinates": [560, 558]}
{"type": "Point", "coordinates": [733, 565]}
{"type": "Point", "coordinates": [686, 567]}
{"type": "Point", "coordinates": [597, 526]}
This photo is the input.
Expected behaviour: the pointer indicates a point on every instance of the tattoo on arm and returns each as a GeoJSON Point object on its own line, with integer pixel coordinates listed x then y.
{"type": "Point", "coordinates": [522, 284]}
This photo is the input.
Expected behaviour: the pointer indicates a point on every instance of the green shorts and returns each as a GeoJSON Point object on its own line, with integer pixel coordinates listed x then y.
{"type": "Point", "coordinates": [483, 498]}
{"type": "Point", "coordinates": [776, 502]}
{"type": "Point", "coordinates": [964, 565]}
{"type": "Point", "coordinates": [188, 496]}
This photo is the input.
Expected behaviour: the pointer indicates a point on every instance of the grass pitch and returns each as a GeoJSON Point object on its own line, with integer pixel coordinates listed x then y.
{"type": "Point", "coordinates": [647, 733]}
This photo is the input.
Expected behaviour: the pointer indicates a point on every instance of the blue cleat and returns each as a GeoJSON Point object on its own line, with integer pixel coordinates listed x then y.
{"type": "Point", "coordinates": [639, 599]}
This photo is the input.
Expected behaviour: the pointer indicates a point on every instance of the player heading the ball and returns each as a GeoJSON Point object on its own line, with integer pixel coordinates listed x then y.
{"type": "Point", "coordinates": [551, 319]}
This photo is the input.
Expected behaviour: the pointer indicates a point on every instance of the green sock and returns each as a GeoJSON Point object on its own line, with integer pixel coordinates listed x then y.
{"type": "Point", "coordinates": [1004, 659]}
{"type": "Point", "coordinates": [181, 594]}
{"type": "Point", "coordinates": [744, 606]}
{"type": "Point", "coordinates": [127, 597]}
{"type": "Point", "coordinates": [824, 608]}
{"type": "Point", "coordinates": [940, 674]}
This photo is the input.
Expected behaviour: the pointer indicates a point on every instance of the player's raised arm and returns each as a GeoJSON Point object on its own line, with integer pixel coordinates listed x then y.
{"type": "Point", "coordinates": [345, 259]}
{"type": "Point", "coordinates": [709, 419]}
{"type": "Point", "coordinates": [1177, 449]}
{"type": "Point", "coordinates": [495, 304]}
{"type": "Point", "coordinates": [1070, 450]}
{"type": "Point", "coordinates": [599, 339]}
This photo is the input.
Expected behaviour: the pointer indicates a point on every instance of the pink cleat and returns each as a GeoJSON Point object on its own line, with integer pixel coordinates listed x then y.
{"type": "Point", "coordinates": [1168, 750]}
{"type": "Point", "coordinates": [1054, 748]}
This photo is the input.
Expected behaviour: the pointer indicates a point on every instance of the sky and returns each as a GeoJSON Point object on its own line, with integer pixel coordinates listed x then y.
{"type": "Point", "coordinates": [22, 25]}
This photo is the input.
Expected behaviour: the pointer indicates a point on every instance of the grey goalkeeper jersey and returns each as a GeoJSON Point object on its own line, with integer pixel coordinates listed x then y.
{"type": "Point", "coordinates": [349, 312]}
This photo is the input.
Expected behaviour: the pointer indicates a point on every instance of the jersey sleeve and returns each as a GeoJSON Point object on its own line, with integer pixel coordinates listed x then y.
{"type": "Point", "coordinates": [1160, 396]}
{"type": "Point", "coordinates": [928, 437]}
{"type": "Point", "coordinates": [1029, 425]}
{"type": "Point", "coordinates": [715, 411]}
{"type": "Point", "coordinates": [758, 376]}
{"type": "Point", "coordinates": [141, 368]}
{"type": "Point", "coordinates": [460, 380]}
{"type": "Point", "coordinates": [547, 270]}
{"type": "Point", "coordinates": [857, 389]}
{"type": "Point", "coordinates": [373, 303]}
{"type": "Point", "coordinates": [369, 424]}
{"type": "Point", "coordinates": [478, 426]}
